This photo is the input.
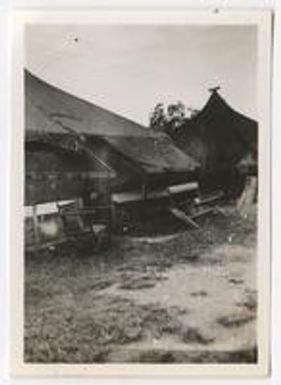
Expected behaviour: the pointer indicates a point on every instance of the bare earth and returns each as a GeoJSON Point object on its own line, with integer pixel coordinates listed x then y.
{"type": "Point", "coordinates": [190, 297]}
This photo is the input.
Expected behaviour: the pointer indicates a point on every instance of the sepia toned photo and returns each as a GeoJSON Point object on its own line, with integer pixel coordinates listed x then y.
{"type": "Point", "coordinates": [142, 151]}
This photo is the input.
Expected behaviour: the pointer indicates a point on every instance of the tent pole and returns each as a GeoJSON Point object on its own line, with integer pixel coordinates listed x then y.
{"type": "Point", "coordinates": [35, 225]}
{"type": "Point", "coordinates": [143, 191]}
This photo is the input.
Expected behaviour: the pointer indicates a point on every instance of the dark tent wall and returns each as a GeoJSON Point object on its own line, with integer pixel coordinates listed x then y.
{"type": "Point", "coordinates": [218, 137]}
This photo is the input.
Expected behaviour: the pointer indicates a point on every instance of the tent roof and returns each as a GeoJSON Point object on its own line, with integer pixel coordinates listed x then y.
{"type": "Point", "coordinates": [218, 114]}
{"type": "Point", "coordinates": [153, 154]}
{"type": "Point", "coordinates": [217, 135]}
{"type": "Point", "coordinates": [73, 113]}
{"type": "Point", "coordinates": [51, 112]}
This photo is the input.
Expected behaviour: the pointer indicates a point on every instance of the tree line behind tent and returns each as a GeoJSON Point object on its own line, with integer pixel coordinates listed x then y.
{"type": "Point", "coordinates": [90, 171]}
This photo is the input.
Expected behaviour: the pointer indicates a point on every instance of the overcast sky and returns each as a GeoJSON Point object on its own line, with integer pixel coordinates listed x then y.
{"type": "Point", "coordinates": [129, 69]}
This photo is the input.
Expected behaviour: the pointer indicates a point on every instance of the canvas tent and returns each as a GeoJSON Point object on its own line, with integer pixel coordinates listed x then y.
{"type": "Point", "coordinates": [218, 137]}
{"type": "Point", "coordinates": [92, 144]}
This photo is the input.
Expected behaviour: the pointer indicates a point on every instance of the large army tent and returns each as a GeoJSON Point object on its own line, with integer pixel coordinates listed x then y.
{"type": "Point", "coordinates": [85, 142]}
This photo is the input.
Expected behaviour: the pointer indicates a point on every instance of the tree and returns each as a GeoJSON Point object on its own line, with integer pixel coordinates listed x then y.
{"type": "Point", "coordinates": [176, 115]}
{"type": "Point", "coordinates": [168, 119]}
{"type": "Point", "coordinates": [158, 117]}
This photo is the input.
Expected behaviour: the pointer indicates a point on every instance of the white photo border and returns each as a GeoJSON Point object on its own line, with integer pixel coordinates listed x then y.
{"type": "Point", "coordinates": [260, 18]}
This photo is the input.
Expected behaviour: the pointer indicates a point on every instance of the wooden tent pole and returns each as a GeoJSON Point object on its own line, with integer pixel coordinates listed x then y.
{"type": "Point", "coordinates": [113, 215]}
{"type": "Point", "coordinates": [36, 227]}
{"type": "Point", "coordinates": [143, 189]}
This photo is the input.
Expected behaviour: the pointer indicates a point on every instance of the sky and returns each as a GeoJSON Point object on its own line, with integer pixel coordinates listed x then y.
{"type": "Point", "coordinates": [129, 69]}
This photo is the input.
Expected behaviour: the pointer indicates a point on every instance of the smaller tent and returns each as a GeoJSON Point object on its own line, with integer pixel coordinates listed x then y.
{"type": "Point", "coordinates": [218, 137]}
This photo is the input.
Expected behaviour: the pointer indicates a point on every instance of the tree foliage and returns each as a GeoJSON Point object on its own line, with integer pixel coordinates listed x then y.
{"type": "Point", "coordinates": [168, 119]}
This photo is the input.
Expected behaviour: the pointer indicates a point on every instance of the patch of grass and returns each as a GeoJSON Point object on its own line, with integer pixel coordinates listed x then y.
{"type": "Point", "coordinates": [88, 336]}
{"type": "Point", "coordinates": [200, 293]}
{"type": "Point", "coordinates": [197, 357]}
{"type": "Point", "coordinates": [138, 282]}
{"type": "Point", "coordinates": [194, 335]}
{"type": "Point", "coordinates": [236, 319]}
{"type": "Point", "coordinates": [101, 284]}
{"type": "Point", "coordinates": [154, 356]}
{"type": "Point", "coordinates": [249, 300]}
{"type": "Point", "coordinates": [235, 281]}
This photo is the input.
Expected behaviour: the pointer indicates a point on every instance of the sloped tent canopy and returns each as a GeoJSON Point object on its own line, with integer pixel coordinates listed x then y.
{"type": "Point", "coordinates": [58, 119]}
{"type": "Point", "coordinates": [218, 137]}
{"type": "Point", "coordinates": [153, 160]}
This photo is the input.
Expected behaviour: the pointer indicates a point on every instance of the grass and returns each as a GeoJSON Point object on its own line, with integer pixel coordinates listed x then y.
{"type": "Point", "coordinates": [237, 319]}
{"type": "Point", "coordinates": [73, 314]}
{"type": "Point", "coordinates": [90, 336]}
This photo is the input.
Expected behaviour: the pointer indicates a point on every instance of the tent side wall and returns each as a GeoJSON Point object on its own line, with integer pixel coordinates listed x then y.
{"type": "Point", "coordinates": [53, 174]}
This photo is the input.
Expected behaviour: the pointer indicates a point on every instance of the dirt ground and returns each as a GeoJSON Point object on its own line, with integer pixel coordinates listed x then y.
{"type": "Point", "coordinates": [187, 297]}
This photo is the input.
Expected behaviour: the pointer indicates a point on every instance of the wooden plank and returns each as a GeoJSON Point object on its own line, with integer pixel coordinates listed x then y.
{"type": "Point", "coordinates": [184, 187]}
{"type": "Point", "coordinates": [183, 217]}
{"type": "Point", "coordinates": [201, 213]}
{"type": "Point", "coordinates": [209, 199]}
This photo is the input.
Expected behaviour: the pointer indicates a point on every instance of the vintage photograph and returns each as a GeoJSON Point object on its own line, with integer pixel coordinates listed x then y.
{"type": "Point", "coordinates": [141, 194]}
